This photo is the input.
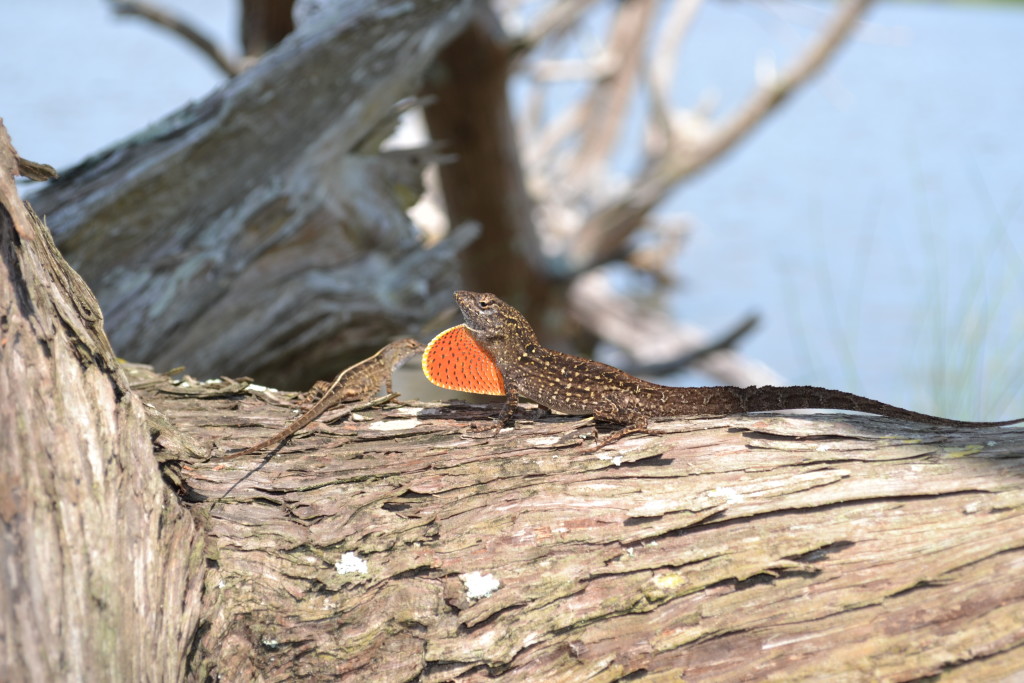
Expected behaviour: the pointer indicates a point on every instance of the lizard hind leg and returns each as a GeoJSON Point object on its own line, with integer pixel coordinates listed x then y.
{"type": "Point", "coordinates": [625, 409]}
{"type": "Point", "coordinates": [619, 434]}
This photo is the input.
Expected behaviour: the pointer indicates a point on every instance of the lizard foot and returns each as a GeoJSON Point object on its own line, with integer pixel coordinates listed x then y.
{"type": "Point", "coordinates": [492, 428]}
{"type": "Point", "coordinates": [617, 435]}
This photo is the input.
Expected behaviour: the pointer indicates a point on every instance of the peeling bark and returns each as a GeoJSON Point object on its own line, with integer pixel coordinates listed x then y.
{"type": "Point", "coordinates": [100, 567]}
{"type": "Point", "coordinates": [754, 547]}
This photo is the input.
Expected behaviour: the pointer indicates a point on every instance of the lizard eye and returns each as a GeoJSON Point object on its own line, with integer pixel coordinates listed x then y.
{"type": "Point", "coordinates": [484, 303]}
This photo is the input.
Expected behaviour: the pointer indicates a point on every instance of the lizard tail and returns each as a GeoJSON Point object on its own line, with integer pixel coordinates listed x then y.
{"type": "Point", "coordinates": [728, 400]}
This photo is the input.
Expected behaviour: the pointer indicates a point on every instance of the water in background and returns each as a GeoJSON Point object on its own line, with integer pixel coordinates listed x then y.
{"type": "Point", "coordinates": [875, 223]}
{"type": "Point", "coordinates": [75, 78]}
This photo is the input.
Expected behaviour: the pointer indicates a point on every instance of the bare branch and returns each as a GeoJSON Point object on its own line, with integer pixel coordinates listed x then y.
{"type": "Point", "coordinates": [570, 155]}
{"type": "Point", "coordinates": [683, 361]}
{"type": "Point", "coordinates": [559, 18]}
{"type": "Point", "coordinates": [604, 233]}
{"type": "Point", "coordinates": [180, 27]}
{"type": "Point", "coordinates": [608, 100]}
{"type": "Point", "coordinates": [664, 65]}
{"type": "Point", "coordinates": [771, 94]}
{"type": "Point", "coordinates": [654, 338]}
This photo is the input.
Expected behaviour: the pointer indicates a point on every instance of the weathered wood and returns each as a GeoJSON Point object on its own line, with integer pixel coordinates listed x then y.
{"type": "Point", "coordinates": [252, 233]}
{"type": "Point", "coordinates": [745, 548]}
{"type": "Point", "coordinates": [749, 548]}
{"type": "Point", "coordinates": [101, 569]}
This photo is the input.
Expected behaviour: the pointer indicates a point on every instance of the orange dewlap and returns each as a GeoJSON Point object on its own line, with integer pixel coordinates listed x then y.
{"type": "Point", "coordinates": [453, 360]}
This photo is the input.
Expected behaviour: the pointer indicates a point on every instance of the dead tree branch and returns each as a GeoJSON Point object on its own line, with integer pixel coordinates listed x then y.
{"type": "Point", "coordinates": [606, 105]}
{"type": "Point", "coordinates": [652, 338]}
{"type": "Point", "coordinates": [604, 232]}
{"type": "Point", "coordinates": [248, 234]}
{"type": "Point", "coordinates": [179, 27]}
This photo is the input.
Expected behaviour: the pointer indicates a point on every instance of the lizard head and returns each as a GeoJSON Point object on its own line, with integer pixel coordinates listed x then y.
{"type": "Point", "coordinates": [493, 323]}
{"type": "Point", "coordinates": [397, 351]}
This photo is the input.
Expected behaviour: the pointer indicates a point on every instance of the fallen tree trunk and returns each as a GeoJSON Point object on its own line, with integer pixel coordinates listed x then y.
{"type": "Point", "coordinates": [408, 545]}
{"type": "Point", "coordinates": [412, 545]}
{"type": "Point", "coordinates": [260, 231]}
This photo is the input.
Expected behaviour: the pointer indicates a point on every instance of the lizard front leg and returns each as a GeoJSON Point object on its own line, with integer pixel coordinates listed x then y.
{"type": "Point", "coordinates": [507, 415]}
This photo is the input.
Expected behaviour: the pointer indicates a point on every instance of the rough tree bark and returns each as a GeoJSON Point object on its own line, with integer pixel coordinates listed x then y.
{"type": "Point", "coordinates": [411, 545]}
{"type": "Point", "coordinates": [408, 544]}
{"type": "Point", "coordinates": [100, 566]}
{"type": "Point", "coordinates": [258, 231]}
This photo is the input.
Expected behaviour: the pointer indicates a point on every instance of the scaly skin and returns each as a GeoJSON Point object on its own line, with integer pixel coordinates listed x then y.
{"type": "Point", "coordinates": [355, 383]}
{"type": "Point", "coordinates": [577, 386]}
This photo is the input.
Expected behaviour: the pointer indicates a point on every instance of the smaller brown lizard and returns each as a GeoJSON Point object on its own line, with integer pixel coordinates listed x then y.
{"type": "Point", "coordinates": [355, 383]}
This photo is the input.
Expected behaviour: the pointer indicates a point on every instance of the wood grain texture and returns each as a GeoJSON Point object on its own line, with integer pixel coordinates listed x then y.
{"type": "Point", "coordinates": [748, 548]}
{"type": "Point", "coordinates": [250, 233]}
{"type": "Point", "coordinates": [101, 569]}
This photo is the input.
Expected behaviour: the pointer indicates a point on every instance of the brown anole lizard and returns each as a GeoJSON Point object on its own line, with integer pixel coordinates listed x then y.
{"type": "Point", "coordinates": [497, 352]}
{"type": "Point", "coordinates": [355, 383]}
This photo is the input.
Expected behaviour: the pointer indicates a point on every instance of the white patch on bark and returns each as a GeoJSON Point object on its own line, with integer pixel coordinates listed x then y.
{"type": "Point", "coordinates": [351, 564]}
{"type": "Point", "coordinates": [395, 425]}
{"type": "Point", "coordinates": [479, 585]}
